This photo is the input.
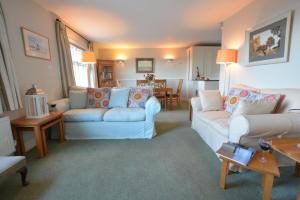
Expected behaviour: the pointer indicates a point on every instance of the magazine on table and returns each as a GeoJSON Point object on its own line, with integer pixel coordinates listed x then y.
{"type": "Point", "coordinates": [237, 153]}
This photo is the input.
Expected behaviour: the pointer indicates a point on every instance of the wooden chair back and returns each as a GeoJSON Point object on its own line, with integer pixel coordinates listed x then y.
{"type": "Point", "coordinates": [141, 82]}
{"type": "Point", "coordinates": [179, 88]}
{"type": "Point", "coordinates": [160, 83]}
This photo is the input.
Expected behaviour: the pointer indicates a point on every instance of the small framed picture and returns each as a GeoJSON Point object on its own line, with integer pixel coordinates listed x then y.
{"type": "Point", "coordinates": [144, 65]}
{"type": "Point", "coordinates": [269, 42]}
{"type": "Point", "coordinates": [36, 45]}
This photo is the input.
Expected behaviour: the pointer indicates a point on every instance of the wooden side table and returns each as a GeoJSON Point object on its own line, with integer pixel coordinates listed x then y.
{"type": "Point", "coordinates": [268, 171]}
{"type": "Point", "coordinates": [288, 147]}
{"type": "Point", "coordinates": [38, 126]}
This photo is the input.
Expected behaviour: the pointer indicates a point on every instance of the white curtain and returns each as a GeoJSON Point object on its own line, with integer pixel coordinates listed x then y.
{"type": "Point", "coordinates": [85, 74]}
{"type": "Point", "coordinates": [65, 59]}
{"type": "Point", "coordinates": [92, 71]}
{"type": "Point", "coordinates": [80, 69]}
{"type": "Point", "coordinates": [10, 97]}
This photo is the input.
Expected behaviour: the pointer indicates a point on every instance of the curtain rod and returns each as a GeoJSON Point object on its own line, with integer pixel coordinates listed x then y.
{"type": "Point", "coordinates": [74, 31]}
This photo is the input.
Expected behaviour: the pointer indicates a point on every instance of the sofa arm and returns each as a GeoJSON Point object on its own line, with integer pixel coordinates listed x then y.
{"type": "Point", "coordinates": [152, 107]}
{"type": "Point", "coordinates": [61, 105]}
{"type": "Point", "coordinates": [266, 125]}
{"type": "Point", "coordinates": [196, 104]}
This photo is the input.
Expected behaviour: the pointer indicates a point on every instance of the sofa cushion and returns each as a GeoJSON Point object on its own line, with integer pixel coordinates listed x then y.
{"type": "Point", "coordinates": [211, 100]}
{"type": "Point", "coordinates": [255, 107]}
{"type": "Point", "coordinates": [98, 97]}
{"type": "Point", "coordinates": [289, 98]}
{"type": "Point", "coordinates": [119, 98]}
{"type": "Point", "coordinates": [84, 115]}
{"type": "Point", "coordinates": [218, 120]}
{"type": "Point", "coordinates": [125, 115]}
{"type": "Point", "coordinates": [78, 99]}
{"type": "Point", "coordinates": [138, 97]}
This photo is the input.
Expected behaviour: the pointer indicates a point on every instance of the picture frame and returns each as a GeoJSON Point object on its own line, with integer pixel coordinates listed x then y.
{"type": "Point", "coordinates": [269, 42]}
{"type": "Point", "coordinates": [144, 65]}
{"type": "Point", "coordinates": [35, 44]}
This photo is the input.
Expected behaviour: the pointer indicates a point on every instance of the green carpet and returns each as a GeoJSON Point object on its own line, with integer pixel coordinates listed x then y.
{"type": "Point", "coordinates": [176, 164]}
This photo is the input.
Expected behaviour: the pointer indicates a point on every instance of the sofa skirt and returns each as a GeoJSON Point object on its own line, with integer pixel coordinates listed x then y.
{"type": "Point", "coordinates": [109, 130]}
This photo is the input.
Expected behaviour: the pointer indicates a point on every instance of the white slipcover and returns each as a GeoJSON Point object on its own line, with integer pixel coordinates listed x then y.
{"type": "Point", "coordinates": [217, 127]}
{"type": "Point", "coordinates": [111, 129]}
{"type": "Point", "coordinates": [84, 115]}
{"type": "Point", "coordinates": [125, 115]}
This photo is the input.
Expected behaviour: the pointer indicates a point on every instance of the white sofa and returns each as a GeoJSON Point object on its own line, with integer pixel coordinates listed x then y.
{"type": "Point", "coordinates": [102, 123]}
{"type": "Point", "coordinates": [217, 127]}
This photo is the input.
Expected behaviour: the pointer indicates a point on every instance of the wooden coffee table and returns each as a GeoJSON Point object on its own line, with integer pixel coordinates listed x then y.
{"type": "Point", "coordinates": [38, 126]}
{"type": "Point", "coordinates": [288, 147]}
{"type": "Point", "coordinates": [268, 171]}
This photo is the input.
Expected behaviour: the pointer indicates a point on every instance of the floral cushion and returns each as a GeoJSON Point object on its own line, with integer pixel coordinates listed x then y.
{"type": "Point", "coordinates": [98, 97]}
{"type": "Point", "coordinates": [138, 97]}
{"type": "Point", "coordinates": [235, 95]}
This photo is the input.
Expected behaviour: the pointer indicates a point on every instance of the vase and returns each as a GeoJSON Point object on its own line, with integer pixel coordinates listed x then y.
{"type": "Point", "coordinates": [150, 82]}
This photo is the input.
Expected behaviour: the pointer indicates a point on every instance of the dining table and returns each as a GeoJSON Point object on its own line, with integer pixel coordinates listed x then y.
{"type": "Point", "coordinates": [167, 91]}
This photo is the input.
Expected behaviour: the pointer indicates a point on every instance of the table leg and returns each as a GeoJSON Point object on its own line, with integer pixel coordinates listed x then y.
{"type": "Point", "coordinates": [224, 172]}
{"type": "Point", "coordinates": [297, 169]}
{"type": "Point", "coordinates": [17, 138]}
{"type": "Point", "coordinates": [190, 109]}
{"type": "Point", "coordinates": [21, 139]}
{"type": "Point", "coordinates": [171, 100]}
{"type": "Point", "coordinates": [61, 131]}
{"type": "Point", "coordinates": [39, 141]}
{"type": "Point", "coordinates": [44, 139]}
{"type": "Point", "coordinates": [267, 186]}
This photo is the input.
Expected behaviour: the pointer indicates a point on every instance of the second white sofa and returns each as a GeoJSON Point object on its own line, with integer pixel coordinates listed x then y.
{"type": "Point", "coordinates": [217, 127]}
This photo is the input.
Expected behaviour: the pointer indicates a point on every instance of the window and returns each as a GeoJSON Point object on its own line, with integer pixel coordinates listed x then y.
{"type": "Point", "coordinates": [80, 69]}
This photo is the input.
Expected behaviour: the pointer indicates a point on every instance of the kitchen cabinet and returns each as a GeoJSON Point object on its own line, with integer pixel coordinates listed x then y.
{"type": "Point", "coordinates": [203, 57]}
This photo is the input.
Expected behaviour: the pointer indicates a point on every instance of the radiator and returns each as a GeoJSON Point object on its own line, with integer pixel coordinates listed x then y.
{"type": "Point", "coordinates": [7, 145]}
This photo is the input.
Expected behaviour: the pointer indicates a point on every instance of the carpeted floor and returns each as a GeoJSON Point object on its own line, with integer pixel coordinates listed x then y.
{"type": "Point", "coordinates": [176, 164]}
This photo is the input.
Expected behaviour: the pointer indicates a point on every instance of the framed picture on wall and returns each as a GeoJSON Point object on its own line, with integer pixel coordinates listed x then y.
{"type": "Point", "coordinates": [144, 65]}
{"type": "Point", "coordinates": [36, 45]}
{"type": "Point", "coordinates": [269, 42]}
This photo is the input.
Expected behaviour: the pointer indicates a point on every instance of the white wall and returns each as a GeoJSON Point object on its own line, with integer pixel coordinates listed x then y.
{"type": "Point", "coordinates": [45, 74]}
{"type": "Point", "coordinates": [126, 73]}
{"type": "Point", "coordinates": [281, 75]}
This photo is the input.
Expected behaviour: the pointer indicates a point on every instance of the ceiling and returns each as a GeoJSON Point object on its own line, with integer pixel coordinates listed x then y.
{"type": "Point", "coordinates": [146, 23]}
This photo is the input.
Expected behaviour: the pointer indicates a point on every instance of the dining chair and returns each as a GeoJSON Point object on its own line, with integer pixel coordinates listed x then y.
{"type": "Point", "coordinates": [141, 82]}
{"type": "Point", "coordinates": [177, 95]}
{"type": "Point", "coordinates": [160, 83]}
{"type": "Point", "coordinates": [159, 91]}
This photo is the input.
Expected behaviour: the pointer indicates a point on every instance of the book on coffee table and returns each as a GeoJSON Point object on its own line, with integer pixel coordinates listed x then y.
{"type": "Point", "coordinates": [237, 153]}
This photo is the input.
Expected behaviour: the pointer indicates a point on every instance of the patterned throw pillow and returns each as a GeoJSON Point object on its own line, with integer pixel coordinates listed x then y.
{"type": "Point", "coordinates": [235, 95]}
{"type": "Point", "coordinates": [138, 97]}
{"type": "Point", "coordinates": [98, 97]}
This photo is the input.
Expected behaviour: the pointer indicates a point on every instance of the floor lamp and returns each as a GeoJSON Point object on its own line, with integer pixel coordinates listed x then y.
{"type": "Point", "coordinates": [226, 57]}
